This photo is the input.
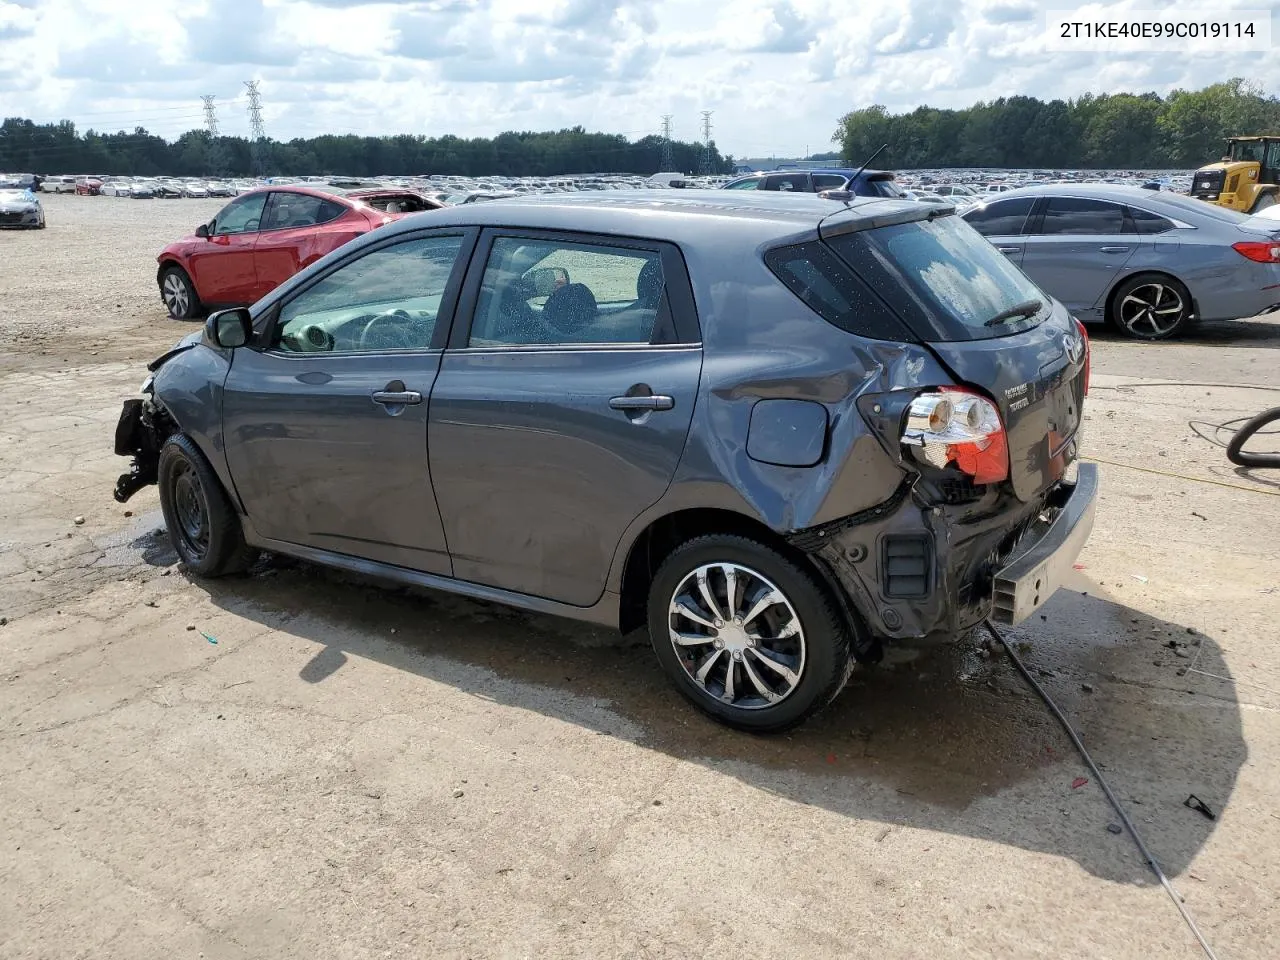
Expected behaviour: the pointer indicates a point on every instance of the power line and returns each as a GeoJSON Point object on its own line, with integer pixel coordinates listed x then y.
{"type": "Point", "coordinates": [704, 167]}
{"type": "Point", "coordinates": [666, 162]}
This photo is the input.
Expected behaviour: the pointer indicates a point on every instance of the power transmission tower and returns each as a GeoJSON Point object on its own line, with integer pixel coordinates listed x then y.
{"type": "Point", "coordinates": [664, 164]}
{"type": "Point", "coordinates": [210, 116]}
{"type": "Point", "coordinates": [257, 133]}
{"type": "Point", "coordinates": [704, 167]}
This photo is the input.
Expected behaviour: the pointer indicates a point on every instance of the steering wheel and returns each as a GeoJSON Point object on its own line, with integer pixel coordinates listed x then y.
{"type": "Point", "coordinates": [387, 331]}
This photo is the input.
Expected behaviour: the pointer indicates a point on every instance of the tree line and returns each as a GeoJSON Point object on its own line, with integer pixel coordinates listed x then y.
{"type": "Point", "coordinates": [1184, 130]}
{"type": "Point", "coordinates": [58, 148]}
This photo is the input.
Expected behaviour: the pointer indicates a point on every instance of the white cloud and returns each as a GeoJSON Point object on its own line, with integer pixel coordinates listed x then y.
{"type": "Point", "coordinates": [776, 73]}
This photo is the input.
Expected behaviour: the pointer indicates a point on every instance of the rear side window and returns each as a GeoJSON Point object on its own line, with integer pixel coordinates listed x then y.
{"type": "Point", "coordinates": [833, 291]}
{"type": "Point", "coordinates": [1148, 222]}
{"type": "Point", "coordinates": [1001, 218]}
{"type": "Point", "coordinates": [1078, 216]}
{"type": "Point", "coordinates": [943, 277]}
{"type": "Point", "coordinates": [292, 210]}
{"type": "Point", "coordinates": [828, 181]}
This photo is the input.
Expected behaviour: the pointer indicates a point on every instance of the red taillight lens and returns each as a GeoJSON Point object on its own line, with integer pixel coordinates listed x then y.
{"type": "Point", "coordinates": [1267, 251]}
{"type": "Point", "coordinates": [1088, 353]}
{"type": "Point", "coordinates": [954, 426]}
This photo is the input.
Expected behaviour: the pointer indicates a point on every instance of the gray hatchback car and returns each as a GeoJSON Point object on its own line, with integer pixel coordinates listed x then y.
{"type": "Point", "coordinates": [778, 431]}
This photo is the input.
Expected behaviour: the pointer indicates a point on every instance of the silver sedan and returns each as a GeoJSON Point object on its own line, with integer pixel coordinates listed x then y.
{"type": "Point", "coordinates": [1147, 262]}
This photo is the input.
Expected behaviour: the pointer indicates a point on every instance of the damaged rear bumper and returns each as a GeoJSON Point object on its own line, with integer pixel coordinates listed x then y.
{"type": "Point", "coordinates": [914, 568]}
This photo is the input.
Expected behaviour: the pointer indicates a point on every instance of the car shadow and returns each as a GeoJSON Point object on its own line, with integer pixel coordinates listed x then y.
{"type": "Point", "coordinates": [924, 739]}
{"type": "Point", "coordinates": [1253, 332]}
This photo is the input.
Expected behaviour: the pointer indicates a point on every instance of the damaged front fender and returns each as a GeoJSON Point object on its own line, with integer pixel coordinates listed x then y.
{"type": "Point", "coordinates": [140, 433]}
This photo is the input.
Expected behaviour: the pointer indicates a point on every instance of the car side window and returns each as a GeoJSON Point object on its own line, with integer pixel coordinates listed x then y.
{"type": "Point", "coordinates": [385, 300]}
{"type": "Point", "coordinates": [1002, 218]}
{"type": "Point", "coordinates": [751, 183]}
{"type": "Point", "coordinates": [243, 215]}
{"type": "Point", "coordinates": [292, 210]}
{"type": "Point", "coordinates": [787, 181]}
{"type": "Point", "coordinates": [1080, 216]}
{"type": "Point", "coordinates": [828, 181]}
{"type": "Point", "coordinates": [560, 292]}
{"type": "Point", "coordinates": [1148, 222]}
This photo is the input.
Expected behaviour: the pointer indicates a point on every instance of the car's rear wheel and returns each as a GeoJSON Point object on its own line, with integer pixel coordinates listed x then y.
{"type": "Point", "coordinates": [747, 634]}
{"type": "Point", "coordinates": [179, 294]}
{"type": "Point", "coordinates": [1150, 306]}
{"type": "Point", "coordinates": [202, 523]}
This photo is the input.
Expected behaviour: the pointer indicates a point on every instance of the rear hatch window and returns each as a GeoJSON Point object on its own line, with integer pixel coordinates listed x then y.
{"type": "Point", "coordinates": [944, 279]}
{"type": "Point", "coordinates": [942, 284]}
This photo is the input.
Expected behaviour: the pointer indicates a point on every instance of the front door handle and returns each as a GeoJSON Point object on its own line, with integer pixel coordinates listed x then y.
{"type": "Point", "coordinates": [396, 397]}
{"type": "Point", "coordinates": [652, 402]}
{"type": "Point", "coordinates": [1114, 249]}
{"type": "Point", "coordinates": [1008, 249]}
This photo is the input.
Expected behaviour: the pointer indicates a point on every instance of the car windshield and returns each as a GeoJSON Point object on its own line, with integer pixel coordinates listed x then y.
{"type": "Point", "coordinates": [957, 282]}
{"type": "Point", "coordinates": [9, 195]}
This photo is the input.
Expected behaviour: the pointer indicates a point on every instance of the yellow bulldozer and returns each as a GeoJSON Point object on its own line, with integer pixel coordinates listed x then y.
{"type": "Point", "coordinates": [1247, 179]}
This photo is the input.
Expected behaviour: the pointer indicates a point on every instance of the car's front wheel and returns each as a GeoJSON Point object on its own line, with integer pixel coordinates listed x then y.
{"type": "Point", "coordinates": [179, 294]}
{"type": "Point", "coordinates": [202, 523]}
{"type": "Point", "coordinates": [1150, 306]}
{"type": "Point", "coordinates": [748, 635]}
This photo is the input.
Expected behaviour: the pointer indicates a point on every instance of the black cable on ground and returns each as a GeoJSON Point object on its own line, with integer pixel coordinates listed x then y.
{"type": "Point", "coordinates": [1239, 457]}
{"type": "Point", "coordinates": [1106, 789]}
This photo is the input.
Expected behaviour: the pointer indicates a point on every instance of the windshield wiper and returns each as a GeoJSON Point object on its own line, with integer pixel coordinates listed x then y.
{"type": "Point", "coordinates": [1019, 311]}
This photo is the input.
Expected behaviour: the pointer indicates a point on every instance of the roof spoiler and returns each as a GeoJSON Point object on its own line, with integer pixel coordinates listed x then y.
{"type": "Point", "coordinates": [837, 225]}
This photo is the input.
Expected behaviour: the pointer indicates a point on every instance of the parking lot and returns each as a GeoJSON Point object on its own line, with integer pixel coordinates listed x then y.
{"type": "Point", "coordinates": [302, 763]}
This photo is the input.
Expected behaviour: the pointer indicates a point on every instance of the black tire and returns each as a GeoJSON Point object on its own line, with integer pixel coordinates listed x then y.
{"type": "Point", "coordinates": [1264, 201]}
{"type": "Point", "coordinates": [179, 294]}
{"type": "Point", "coordinates": [825, 660]}
{"type": "Point", "coordinates": [202, 523]}
{"type": "Point", "coordinates": [1150, 306]}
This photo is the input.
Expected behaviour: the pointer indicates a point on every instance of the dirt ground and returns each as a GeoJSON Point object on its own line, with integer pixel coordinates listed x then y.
{"type": "Point", "coordinates": [304, 764]}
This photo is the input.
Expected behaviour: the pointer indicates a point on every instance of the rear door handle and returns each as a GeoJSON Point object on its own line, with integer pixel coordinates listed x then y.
{"type": "Point", "coordinates": [1008, 249]}
{"type": "Point", "coordinates": [1114, 249]}
{"type": "Point", "coordinates": [654, 402]}
{"type": "Point", "coordinates": [394, 397]}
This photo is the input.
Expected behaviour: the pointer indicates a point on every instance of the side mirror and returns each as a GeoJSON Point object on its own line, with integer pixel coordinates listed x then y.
{"type": "Point", "coordinates": [546, 280]}
{"type": "Point", "coordinates": [203, 231]}
{"type": "Point", "coordinates": [229, 328]}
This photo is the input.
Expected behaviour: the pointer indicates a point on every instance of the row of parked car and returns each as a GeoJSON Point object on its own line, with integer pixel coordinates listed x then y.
{"type": "Point", "coordinates": [145, 188]}
{"type": "Point", "coordinates": [1146, 262]}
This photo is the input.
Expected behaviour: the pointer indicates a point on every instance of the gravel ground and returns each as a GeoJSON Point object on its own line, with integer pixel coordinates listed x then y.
{"type": "Point", "coordinates": [303, 764]}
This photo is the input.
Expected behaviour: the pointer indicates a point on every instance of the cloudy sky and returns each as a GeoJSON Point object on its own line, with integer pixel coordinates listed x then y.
{"type": "Point", "coordinates": [776, 73]}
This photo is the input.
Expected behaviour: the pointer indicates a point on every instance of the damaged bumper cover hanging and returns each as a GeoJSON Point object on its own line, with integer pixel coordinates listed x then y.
{"type": "Point", "coordinates": [914, 567]}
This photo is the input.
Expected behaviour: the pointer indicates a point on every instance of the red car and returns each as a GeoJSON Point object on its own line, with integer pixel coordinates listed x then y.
{"type": "Point", "coordinates": [88, 187]}
{"type": "Point", "coordinates": [263, 237]}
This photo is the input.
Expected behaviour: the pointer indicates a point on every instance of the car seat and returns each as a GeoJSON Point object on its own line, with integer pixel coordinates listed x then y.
{"type": "Point", "coordinates": [570, 310]}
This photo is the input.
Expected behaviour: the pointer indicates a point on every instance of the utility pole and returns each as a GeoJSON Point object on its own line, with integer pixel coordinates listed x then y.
{"type": "Point", "coordinates": [257, 133]}
{"type": "Point", "coordinates": [704, 168]}
{"type": "Point", "coordinates": [665, 162]}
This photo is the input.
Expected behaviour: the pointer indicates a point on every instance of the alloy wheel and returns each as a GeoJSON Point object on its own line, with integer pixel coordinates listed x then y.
{"type": "Point", "coordinates": [1152, 310]}
{"type": "Point", "coordinates": [176, 296]}
{"type": "Point", "coordinates": [190, 510]}
{"type": "Point", "coordinates": [737, 635]}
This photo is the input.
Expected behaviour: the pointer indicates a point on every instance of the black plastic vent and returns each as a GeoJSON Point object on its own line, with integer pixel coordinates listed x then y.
{"type": "Point", "coordinates": [905, 562]}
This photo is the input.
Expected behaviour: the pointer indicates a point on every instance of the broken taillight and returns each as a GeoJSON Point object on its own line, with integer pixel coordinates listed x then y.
{"type": "Point", "coordinates": [954, 426]}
